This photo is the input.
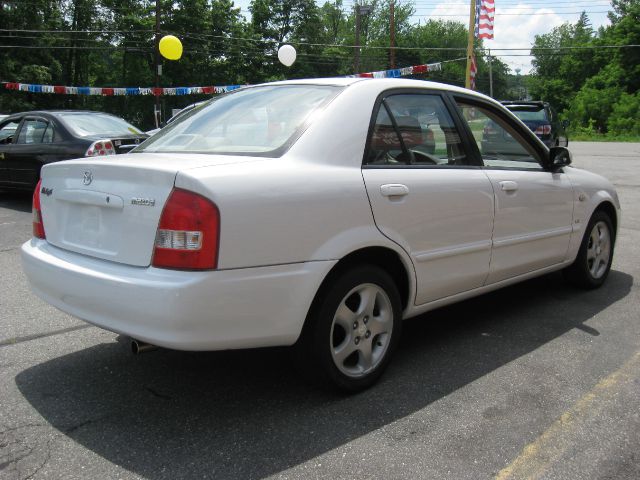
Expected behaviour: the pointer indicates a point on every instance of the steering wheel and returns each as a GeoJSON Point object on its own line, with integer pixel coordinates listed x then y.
{"type": "Point", "coordinates": [423, 157]}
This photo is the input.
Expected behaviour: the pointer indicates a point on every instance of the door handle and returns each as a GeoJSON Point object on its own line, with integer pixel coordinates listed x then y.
{"type": "Point", "coordinates": [509, 186]}
{"type": "Point", "coordinates": [394, 190]}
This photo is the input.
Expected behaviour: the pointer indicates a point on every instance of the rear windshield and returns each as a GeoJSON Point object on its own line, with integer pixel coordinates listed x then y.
{"type": "Point", "coordinates": [529, 113]}
{"type": "Point", "coordinates": [89, 124]}
{"type": "Point", "coordinates": [261, 121]}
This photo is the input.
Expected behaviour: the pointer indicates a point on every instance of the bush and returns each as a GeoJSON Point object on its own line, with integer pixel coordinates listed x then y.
{"type": "Point", "coordinates": [625, 116]}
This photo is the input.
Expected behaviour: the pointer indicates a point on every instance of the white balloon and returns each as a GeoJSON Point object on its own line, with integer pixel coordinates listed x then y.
{"type": "Point", "coordinates": [287, 55]}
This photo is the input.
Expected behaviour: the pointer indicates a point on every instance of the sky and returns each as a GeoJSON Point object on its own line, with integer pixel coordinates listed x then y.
{"type": "Point", "coordinates": [516, 22]}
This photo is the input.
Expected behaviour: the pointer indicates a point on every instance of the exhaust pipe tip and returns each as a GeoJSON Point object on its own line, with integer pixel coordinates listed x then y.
{"type": "Point", "coordinates": [138, 347]}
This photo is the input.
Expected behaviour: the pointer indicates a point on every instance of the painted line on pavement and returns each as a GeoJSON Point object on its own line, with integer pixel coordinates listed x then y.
{"type": "Point", "coordinates": [540, 454]}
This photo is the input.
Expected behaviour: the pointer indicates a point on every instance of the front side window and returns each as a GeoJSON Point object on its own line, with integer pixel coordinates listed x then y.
{"type": "Point", "coordinates": [35, 131]}
{"type": "Point", "coordinates": [254, 121]}
{"type": "Point", "coordinates": [498, 142]}
{"type": "Point", "coordinates": [7, 131]}
{"type": "Point", "coordinates": [414, 129]}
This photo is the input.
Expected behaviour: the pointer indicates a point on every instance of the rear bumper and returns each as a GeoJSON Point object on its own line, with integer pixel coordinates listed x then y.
{"type": "Point", "coordinates": [212, 310]}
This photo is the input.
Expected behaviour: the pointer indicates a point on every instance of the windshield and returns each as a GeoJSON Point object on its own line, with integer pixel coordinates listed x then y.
{"type": "Point", "coordinates": [261, 121]}
{"type": "Point", "coordinates": [87, 124]}
{"type": "Point", "coordinates": [529, 113]}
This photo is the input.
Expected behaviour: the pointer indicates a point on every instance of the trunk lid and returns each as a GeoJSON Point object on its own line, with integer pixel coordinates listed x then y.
{"type": "Point", "coordinates": [110, 208]}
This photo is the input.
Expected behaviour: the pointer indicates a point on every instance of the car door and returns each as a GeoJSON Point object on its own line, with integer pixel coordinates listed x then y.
{"type": "Point", "coordinates": [427, 194]}
{"type": "Point", "coordinates": [30, 150]}
{"type": "Point", "coordinates": [7, 135]}
{"type": "Point", "coordinates": [533, 206]}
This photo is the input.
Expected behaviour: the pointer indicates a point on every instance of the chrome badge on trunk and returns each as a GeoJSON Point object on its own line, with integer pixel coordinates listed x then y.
{"type": "Point", "coordinates": [146, 202]}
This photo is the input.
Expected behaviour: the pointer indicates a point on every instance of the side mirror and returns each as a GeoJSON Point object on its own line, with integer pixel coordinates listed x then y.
{"type": "Point", "coordinates": [565, 123]}
{"type": "Point", "coordinates": [558, 157]}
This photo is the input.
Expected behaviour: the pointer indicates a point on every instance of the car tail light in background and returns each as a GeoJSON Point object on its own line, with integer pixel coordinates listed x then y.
{"type": "Point", "coordinates": [430, 136]}
{"type": "Point", "coordinates": [100, 148]}
{"type": "Point", "coordinates": [38, 226]}
{"type": "Point", "coordinates": [489, 130]}
{"type": "Point", "coordinates": [188, 233]}
{"type": "Point", "coordinates": [543, 130]}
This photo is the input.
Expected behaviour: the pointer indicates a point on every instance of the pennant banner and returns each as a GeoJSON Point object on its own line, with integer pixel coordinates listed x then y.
{"type": "Point", "coordinates": [114, 91]}
{"type": "Point", "coordinates": [400, 72]}
{"type": "Point", "coordinates": [210, 90]}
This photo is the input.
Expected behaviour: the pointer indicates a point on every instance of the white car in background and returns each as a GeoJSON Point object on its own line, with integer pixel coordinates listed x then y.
{"type": "Point", "coordinates": [180, 114]}
{"type": "Point", "coordinates": [309, 213]}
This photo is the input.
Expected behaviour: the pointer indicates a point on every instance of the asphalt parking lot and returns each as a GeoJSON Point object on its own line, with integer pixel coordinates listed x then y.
{"type": "Point", "coordinates": [538, 380]}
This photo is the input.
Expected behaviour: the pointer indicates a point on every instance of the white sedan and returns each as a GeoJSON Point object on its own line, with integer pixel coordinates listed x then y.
{"type": "Point", "coordinates": [315, 213]}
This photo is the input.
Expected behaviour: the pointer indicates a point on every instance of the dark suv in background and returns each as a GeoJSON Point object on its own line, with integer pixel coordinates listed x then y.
{"type": "Point", "coordinates": [542, 120]}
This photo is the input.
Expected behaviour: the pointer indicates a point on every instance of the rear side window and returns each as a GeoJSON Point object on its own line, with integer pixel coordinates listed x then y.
{"type": "Point", "coordinates": [414, 130]}
{"type": "Point", "coordinates": [35, 131]}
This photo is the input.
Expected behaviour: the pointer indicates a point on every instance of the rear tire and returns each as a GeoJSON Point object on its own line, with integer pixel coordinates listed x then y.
{"type": "Point", "coordinates": [593, 263]}
{"type": "Point", "coordinates": [352, 330]}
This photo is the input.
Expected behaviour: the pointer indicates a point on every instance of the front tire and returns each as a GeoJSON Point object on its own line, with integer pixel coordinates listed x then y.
{"type": "Point", "coordinates": [352, 329]}
{"type": "Point", "coordinates": [593, 263]}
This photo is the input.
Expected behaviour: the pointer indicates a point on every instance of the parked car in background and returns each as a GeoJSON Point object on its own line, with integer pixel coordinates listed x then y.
{"type": "Point", "coordinates": [542, 119]}
{"type": "Point", "coordinates": [30, 140]}
{"type": "Point", "coordinates": [312, 213]}
{"type": "Point", "coordinates": [538, 116]}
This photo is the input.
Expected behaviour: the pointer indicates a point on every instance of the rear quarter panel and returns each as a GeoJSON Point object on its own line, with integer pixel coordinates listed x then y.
{"type": "Point", "coordinates": [278, 211]}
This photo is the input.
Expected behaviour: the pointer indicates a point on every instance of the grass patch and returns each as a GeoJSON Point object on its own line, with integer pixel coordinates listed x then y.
{"type": "Point", "coordinates": [599, 137]}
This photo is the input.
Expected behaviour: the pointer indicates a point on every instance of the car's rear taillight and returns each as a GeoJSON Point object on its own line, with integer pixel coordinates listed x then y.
{"type": "Point", "coordinates": [489, 130]}
{"type": "Point", "coordinates": [543, 130]}
{"type": "Point", "coordinates": [100, 148]}
{"type": "Point", "coordinates": [38, 226]}
{"type": "Point", "coordinates": [188, 233]}
{"type": "Point", "coordinates": [430, 136]}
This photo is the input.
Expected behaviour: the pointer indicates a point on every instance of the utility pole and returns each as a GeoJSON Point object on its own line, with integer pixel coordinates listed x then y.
{"type": "Point", "coordinates": [157, 64]}
{"type": "Point", "coordinates": [356, 53]}
{"type": "Point", "coordinates": [393, 36]}
{"type": "Point", "coordinates": [360, 10]}
{"type": "Point", "coordinates": [490, 75]}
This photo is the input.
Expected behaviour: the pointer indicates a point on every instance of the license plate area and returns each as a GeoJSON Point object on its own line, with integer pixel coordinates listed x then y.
{"type": "Point", "coordinates": [91, 229]}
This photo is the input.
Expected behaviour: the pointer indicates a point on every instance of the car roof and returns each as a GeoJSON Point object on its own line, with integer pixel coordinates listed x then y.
{"type": "Point", "coordinates": [383, 83]}
{"type": "Point", "coordinates": [58, 112]}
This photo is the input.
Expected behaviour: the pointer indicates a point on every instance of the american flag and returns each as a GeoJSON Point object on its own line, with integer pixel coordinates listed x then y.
{"type": "Point", "coordinates": [485, 9]}
{"type": "Point", "coordinates": [472, 73]}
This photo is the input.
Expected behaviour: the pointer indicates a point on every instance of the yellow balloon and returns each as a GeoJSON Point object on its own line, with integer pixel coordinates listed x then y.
{"type": "Point", "coordinates": [170, 47]}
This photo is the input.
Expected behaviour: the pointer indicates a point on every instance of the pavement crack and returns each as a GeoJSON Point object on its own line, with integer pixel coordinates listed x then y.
{"type": "Point", "coordinates": [15, 459]}
{"type": "Point", "coordinates": [44, 462]}
{"type": "Point", "coordinates": [27, 338]}
{"type": "Point", "coordinates": [156, 394]}
{"type": "Point", "coordinates": [73, 428]}
{"type": "Point", "coordinates": [20, 427]}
